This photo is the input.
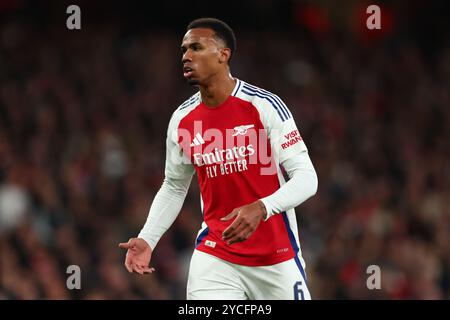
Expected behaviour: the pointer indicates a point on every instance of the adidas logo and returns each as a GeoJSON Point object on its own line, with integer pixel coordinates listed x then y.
{"type": "Point", "coordinates": [198, 140]}
{"type": "Point", "coordinates": [211, 244]}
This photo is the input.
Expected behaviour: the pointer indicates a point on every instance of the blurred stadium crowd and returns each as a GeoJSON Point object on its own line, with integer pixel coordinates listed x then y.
{"type": "Point", "coordinates": [83, 119]}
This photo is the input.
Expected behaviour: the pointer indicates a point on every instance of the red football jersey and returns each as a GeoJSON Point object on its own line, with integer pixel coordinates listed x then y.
{"type": "Point", "coordinates": [236, 149]}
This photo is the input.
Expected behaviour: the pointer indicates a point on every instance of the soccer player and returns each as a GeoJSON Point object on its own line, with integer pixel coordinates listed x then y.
{"type": "Point", "coordinates": [238, 138]}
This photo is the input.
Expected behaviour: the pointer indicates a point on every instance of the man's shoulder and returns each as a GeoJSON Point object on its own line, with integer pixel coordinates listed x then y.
{"type": "Point", "coordinates": [264, 100]}
{"type": "Point", "coordinates": [187, 106]}
{"type": "Point", "coordinates": [251, 88]}
{"type": "Point", "coordinates": [189, 103]}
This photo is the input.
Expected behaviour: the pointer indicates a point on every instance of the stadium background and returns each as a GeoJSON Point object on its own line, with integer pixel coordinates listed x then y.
{"type": "Point", "coordinates": [83, 118]}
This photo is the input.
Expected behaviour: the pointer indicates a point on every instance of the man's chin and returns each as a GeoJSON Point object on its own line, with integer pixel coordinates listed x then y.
{"type": "Point", "coordinates": [193, 82]}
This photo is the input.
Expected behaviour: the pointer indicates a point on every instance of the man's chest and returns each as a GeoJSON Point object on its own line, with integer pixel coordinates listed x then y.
{"type": "Point", "coordinates": [223, 141]}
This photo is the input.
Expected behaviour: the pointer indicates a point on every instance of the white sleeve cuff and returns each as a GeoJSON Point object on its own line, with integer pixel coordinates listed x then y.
{"type": "Point", "coordinates": [269, 208]}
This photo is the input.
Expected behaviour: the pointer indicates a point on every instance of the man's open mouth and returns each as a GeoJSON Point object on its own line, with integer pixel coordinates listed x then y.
{"type": "Point", "coordinates": [187, 72]}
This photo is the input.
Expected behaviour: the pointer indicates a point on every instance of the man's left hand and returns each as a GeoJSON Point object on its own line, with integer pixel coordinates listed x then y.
{"type": "Point", "coordinates": [247, 220]}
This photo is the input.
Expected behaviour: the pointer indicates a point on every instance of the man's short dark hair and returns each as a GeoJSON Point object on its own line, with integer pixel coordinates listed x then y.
{"type": "Point", "coordinates": [220, 28]}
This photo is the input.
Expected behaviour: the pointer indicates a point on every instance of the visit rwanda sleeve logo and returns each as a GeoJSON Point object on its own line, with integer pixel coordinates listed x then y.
{"type": "Point", "coordinates": [291, 138]}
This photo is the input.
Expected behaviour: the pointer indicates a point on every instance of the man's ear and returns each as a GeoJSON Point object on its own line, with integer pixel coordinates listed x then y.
{"type": "Point", "coordinates": [225, 55]}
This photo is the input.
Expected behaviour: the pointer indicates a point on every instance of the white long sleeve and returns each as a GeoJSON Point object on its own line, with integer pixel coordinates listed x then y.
{"type": "Point", "coordinates": [302, 185]}
{"type": "Point", "coordinates": [165, 208]}
{"type": "Point", "coordinates": [170, 198]}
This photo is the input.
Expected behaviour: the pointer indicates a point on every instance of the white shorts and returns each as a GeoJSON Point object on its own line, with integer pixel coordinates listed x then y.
{"type": "Point", "coordinates": [211, 278]}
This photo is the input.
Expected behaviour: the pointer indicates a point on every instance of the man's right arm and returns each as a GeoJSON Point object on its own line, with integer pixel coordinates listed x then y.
{"type": "Point", "coordinates": [170, 198]}
{"type": "Point", "coordinates": [165, 208]}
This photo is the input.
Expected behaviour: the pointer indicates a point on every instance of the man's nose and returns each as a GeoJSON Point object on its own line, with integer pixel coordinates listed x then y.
{"type": "Point", "coordinates": [186, 57]}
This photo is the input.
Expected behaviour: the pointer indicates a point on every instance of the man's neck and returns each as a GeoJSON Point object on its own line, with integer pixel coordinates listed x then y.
{"type": "Point", "coordinates": [218, 90]}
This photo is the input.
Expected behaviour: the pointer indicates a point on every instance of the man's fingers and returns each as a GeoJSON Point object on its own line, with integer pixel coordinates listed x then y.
{"type": "Point", "coordinates": [231, 228]}
{"type": "Point", "coordinates": [148, 269]}
{"type": "Point", "coordinates": [237, 238]}
{"type": "Point", "coordinates": [137, 269]}
{"type": "Point", "coordinates": [128, 265]}
{"type": "Point", "coordinates": [230, 215]}
{"type": "Point", "coordinates": [124, 245]}
{"type": "Point", "coordinates": [132, 267]}
{"type": "Point", "coordinates": [228, 234]}
{"type": "Point", "coordinates": [127, 245]}
{"type": "Point", "coordinates": [242, 236]}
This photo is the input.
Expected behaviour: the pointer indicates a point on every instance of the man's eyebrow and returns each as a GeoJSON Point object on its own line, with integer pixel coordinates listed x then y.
{"type": "Point", "coordinates": [191, 44]}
